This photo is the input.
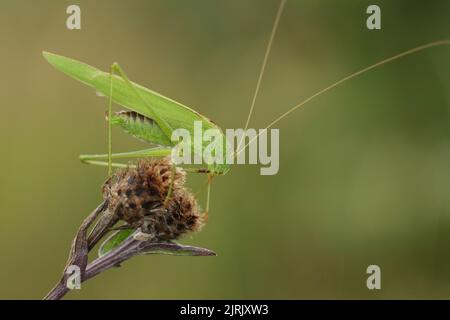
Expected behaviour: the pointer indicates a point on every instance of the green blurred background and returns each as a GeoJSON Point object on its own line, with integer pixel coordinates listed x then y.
{"type": "Point", "coordinates": [364, 170]}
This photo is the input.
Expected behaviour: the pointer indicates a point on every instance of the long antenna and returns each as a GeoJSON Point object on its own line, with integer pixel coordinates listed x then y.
{"type": "Point", "coordinates": [353, 75]}
{"type": "Point", "coordinates": [263, 66]}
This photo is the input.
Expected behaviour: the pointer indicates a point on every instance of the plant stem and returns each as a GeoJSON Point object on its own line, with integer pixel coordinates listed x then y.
{"type": "Point", "coordinates": [126, 250]}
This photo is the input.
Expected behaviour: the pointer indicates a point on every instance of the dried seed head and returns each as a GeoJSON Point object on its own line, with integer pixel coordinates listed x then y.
{"type": "Point", "coordinates": [182, 216]}
{"type": "Point", "coordinates": [137, 196]}
{"type": "Point", "coordinates": [135, 192]}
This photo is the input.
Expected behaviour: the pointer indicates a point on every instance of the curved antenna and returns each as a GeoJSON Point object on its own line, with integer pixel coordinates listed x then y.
{"type": "Point", "coordinates": [263, 66]}
{"type": "Point", "coordinates": [353, 75]}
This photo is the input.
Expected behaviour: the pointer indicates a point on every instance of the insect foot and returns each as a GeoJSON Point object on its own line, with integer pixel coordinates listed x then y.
{"type": "Point", "coordinates": [152, 197]}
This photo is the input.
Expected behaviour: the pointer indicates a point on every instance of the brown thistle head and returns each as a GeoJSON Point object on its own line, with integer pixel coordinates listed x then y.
{"type": "Point", "coordinates": [138, 195]}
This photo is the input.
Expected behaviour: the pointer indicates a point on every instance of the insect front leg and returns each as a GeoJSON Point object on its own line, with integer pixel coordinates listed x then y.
{"type": "Point", "coordinates": [211, 175]}
{"type": "Point", "coordinates": [208, 195]}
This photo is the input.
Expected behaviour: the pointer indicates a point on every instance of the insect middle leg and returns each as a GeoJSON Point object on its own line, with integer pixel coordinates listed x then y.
{"type": "Point", "coordinates": [98, 159]}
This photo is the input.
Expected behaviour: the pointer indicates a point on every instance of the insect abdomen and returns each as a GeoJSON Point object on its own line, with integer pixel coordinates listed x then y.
{"type": "Point", "coordinates": [141, 127]}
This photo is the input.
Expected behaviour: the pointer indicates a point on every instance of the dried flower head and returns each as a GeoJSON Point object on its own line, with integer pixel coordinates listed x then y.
{"type": "Point", "coordinates": [138, 195]}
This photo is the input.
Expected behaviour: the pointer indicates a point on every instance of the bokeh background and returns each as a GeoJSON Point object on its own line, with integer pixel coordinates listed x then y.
{"type": "Point", "coordinates": [364, 170]}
